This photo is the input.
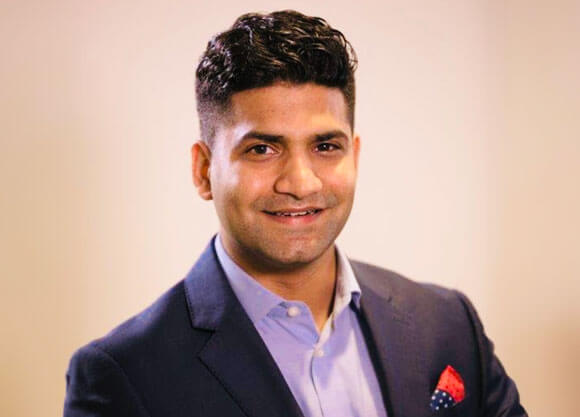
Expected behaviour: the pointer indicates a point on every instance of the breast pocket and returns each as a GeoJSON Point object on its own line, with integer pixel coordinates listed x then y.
{"type": "Point", "coordinates": [463, 409]}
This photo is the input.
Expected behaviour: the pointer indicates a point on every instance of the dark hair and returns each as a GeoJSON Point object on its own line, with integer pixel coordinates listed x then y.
{"type": "Point", "coordinates": [262, 49]}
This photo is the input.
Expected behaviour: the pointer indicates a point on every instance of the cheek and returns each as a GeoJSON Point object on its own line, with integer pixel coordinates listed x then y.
{"type": "Point", "coordinates": [224, 183]}
{"type": "Point", "coordinates": [254, 183]}
{"type": "Point", "coordinates": [341, 178]}
{"type": "Point", "coordinates": [242, 190]}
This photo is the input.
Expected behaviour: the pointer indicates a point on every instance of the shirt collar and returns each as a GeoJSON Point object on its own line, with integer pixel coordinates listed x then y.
{"type": "Point", "coordinates": [347, 288]}
{"type": "Point", "coordinates": [254, 297]}
{"type": "Point", "coordinates": [258, 301]}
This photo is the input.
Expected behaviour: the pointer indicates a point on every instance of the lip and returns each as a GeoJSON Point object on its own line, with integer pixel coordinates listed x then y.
{"type": "Point", "coordinates": [293, 209]}
{"type": "Point", "coordinates": [295, 220]}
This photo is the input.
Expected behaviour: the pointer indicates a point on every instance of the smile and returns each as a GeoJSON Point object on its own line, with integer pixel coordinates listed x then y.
{"type": "Point", "coordinates": [294, 213]}
{"type": "Point", "coordinates": [301, 217]}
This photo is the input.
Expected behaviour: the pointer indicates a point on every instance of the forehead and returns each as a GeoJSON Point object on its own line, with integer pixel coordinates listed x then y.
{"type": "Point", "coordinates": [285, 106]}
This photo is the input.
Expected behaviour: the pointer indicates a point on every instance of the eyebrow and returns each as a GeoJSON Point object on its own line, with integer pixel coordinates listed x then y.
{"type": "Point", "coordinates": [252, 134]}
{"type": "Point", "coordinates": [266, 137]}
{"type": "Point", "coordinates": [331, 135]}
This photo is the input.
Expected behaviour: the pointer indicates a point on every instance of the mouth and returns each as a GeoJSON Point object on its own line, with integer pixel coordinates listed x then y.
{"type": "Point", "coordinates": [295, 216]}
{"type": "Point", "coordinates": [293, 213]}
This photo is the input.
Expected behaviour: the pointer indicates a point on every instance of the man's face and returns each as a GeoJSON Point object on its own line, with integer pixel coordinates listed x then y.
{"type": "Point", "coordinates": [282, 174]}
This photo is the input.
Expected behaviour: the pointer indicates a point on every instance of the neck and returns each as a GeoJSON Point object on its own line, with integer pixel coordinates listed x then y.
{"type": "Point", "coordinates": [312, 283]}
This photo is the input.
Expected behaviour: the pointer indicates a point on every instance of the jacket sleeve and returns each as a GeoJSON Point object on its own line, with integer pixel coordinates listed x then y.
{"type": "Point", "coordinates": [96, 386]}
{"type": "Point", "coordinates": [499, 396]}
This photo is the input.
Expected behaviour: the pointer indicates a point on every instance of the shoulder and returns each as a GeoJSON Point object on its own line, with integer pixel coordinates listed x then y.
{"type": "Point", "coordinates": [155, 332]}
{"type": "Point", "coordinates": [430, 304]}
{"type": "Point", "coordinates": [110, 373]}
{"type": "Point", "coordinates": [392, 284]}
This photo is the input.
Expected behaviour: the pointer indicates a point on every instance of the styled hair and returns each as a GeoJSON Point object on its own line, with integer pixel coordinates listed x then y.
{"type": "Point", "coordinates": [262, 49]}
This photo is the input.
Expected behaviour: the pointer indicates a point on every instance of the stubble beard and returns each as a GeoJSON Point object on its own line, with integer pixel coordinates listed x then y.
{"type": "Point", "coordinates": [269, 249]}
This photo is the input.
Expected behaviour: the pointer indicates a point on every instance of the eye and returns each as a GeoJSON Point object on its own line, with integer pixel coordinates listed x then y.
{"type": "Point", "coordinates": [260, 150]}
{"type": "Point", "coordinates": [326, 147]}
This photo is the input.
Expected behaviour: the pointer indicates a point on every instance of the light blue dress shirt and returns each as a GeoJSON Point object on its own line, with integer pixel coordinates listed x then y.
{"type": "Point", "coordinates": [329, 373]}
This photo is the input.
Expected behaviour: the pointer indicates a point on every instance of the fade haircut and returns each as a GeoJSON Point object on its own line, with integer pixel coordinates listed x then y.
{"type": "Point", "coordinates": [262, 49]}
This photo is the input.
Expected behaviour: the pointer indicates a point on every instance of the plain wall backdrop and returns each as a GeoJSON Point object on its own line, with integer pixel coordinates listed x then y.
{"type": "Point", "coordinates": [469, 171]}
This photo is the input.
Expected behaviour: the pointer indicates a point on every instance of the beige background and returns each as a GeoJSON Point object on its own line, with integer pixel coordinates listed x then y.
{"type": "Point", "coordinates": [469, 112]}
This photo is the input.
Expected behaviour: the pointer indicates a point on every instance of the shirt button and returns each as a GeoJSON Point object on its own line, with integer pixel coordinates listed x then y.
{"type": "Point", "coordinates": [293, 311]}
{"type": "Point", "coordinates": [318, 352]}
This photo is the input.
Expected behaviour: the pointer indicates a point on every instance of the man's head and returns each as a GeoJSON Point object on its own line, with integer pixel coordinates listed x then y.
{"type": "Point", "coordinates": [278, 155]}
{"type": "Point", "coordinates": [260, 50]}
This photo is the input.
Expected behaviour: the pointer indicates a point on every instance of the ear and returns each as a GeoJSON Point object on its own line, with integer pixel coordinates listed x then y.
{"type": "Point", "coordinates": [200, 163]}
{"type": "Point", "coordinates": [356, 149]}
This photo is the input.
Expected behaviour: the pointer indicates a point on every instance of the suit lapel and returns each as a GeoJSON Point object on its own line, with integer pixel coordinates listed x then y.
{"type": "Point", "coordinates": [235, 354]}
{"type": "Point", "coordinates": [393, 344]}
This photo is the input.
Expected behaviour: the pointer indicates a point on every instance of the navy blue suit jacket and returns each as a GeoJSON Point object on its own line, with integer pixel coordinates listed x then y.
{"type": "Point", "coordinates": [195, 353]}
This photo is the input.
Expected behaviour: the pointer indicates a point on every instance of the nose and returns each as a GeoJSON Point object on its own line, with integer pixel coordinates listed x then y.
{"type": "Point", "coordinates": [297, 178]}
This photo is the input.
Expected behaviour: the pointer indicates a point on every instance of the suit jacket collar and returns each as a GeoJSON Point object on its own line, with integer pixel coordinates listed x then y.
{"type": "Point", "coordinates": [235, 353]}
{"type": "Point", "coordinates": [209, 296]}
{"type": "Point", "coordinates": [391, 338]}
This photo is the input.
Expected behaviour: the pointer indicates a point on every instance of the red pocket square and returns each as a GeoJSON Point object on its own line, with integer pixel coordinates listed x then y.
{"type": "Point", "coordinates": [449, 391]}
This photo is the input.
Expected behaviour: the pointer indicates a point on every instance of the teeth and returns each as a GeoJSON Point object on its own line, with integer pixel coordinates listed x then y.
{"type": "Point", "coordinates": [301, 213]}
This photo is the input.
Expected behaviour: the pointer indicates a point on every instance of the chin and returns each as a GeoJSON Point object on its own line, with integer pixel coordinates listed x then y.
{"type": "Point", "coordinates": [295, 256]}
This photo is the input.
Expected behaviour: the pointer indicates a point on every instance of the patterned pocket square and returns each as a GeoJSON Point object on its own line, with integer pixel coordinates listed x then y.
{"type": "Point", "coordinates": [450, 390]}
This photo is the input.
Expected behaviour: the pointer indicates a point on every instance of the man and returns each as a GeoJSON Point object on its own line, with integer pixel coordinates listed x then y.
{"type": "Point", "coordinates": [273, 319]}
